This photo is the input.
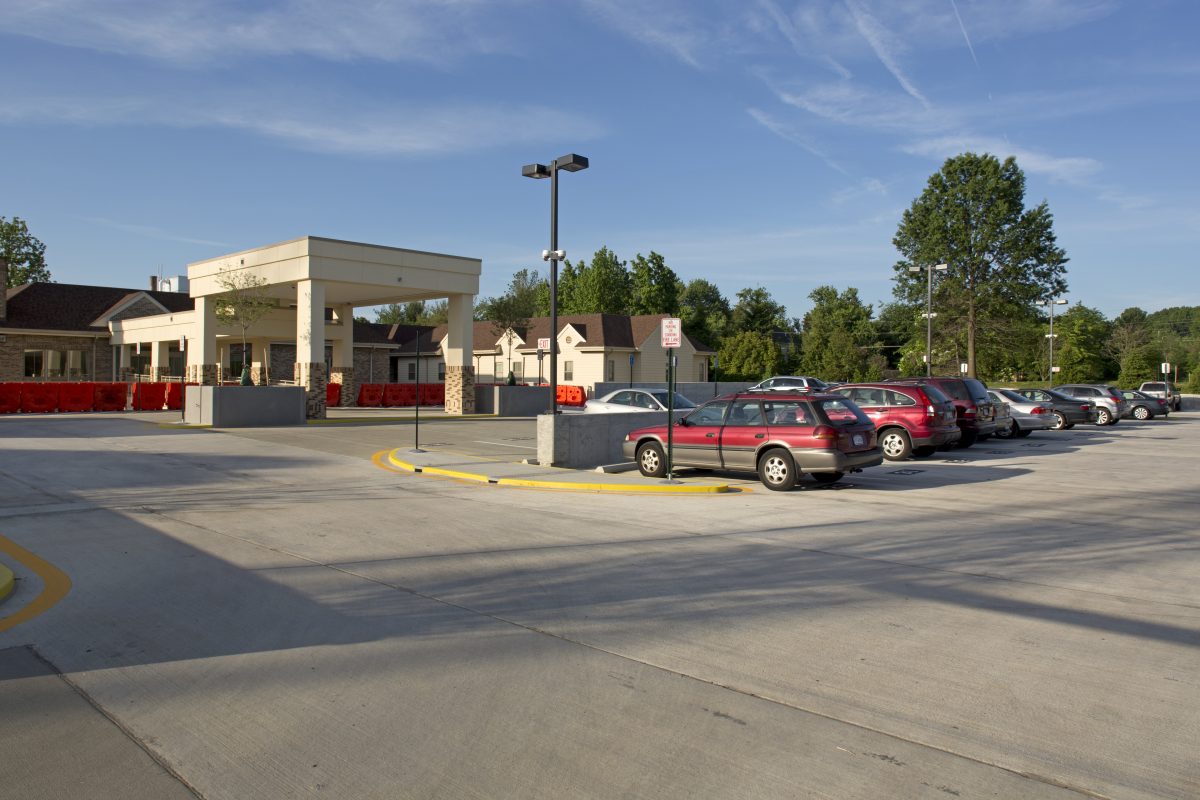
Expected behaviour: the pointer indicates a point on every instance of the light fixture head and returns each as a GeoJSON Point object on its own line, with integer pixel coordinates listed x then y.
{"type": "Point", "coordinates": [535, 171]}
{"type": "Point", "coordinates": [941, 267]}
{"type": "Point", "coordinates": [571, 162]}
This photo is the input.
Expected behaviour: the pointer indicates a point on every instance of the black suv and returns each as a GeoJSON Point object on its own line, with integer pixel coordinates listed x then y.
{"type": "Point", "coordinates": [976, 414]}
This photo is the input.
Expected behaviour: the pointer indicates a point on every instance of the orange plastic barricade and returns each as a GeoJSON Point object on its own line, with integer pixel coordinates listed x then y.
{"type": "Point", "coordinates": [370, 395]}
{"type": "Point", "coordinates": [39, 398]}
{"type": "Point", "coordinates": [76, 396]}
{"type": "Point", "coordinates": [149, 396]}
{"type": "Point", "coordinates": [333, 394]}
{"type": "Point", "coordinates": [408, 394]}
{"type": "Point", "coordinates": [560, 394]}
{"type": "Point", "coordinates": [433, 394]}
{"type": "Point", "coordinates": [110, 396]}
{"type": "Point", "coordinates": [392, 394]}
{"type": "Point", "coordinates": [10, 398]}
{"type": "Point", "coordinates": [175, 393]}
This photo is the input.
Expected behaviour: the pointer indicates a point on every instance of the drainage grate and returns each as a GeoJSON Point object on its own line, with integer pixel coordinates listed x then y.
{"type": "Point", "coordinates": [998, 452]}
{"type": "Point", "coordinates": [957, 461]}
{"type": "Point", "coordinates": [1034, 444]}
{"type": "Point", "coordinates": [906, 471]}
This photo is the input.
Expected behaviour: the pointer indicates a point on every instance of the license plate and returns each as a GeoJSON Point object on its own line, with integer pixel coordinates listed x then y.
{"type": "Point", "coordinates": [858, 440]}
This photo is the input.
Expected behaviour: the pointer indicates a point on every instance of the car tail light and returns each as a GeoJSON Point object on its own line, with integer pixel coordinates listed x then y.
{"type": "Point", "coordinates": [930, 411]}
{"type": "Point", "coordinates": [825, 433]}
{"type": "Point", "coordinates": [969, 412]}
{"type": "Point", "coordinates": [1086, 407]}
{"type": "Point", "coordinates": [1037, 410]}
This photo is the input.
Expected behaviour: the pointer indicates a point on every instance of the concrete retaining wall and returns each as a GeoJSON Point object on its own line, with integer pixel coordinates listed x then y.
{"type": "Point", "coordinates": [512, 401]}
{"type": "Point", "coordinates": [244, 406]}
{"type": "Point", "coordinates": [696, 392]}
{"type": "Point", "coordinates": [584, 441]}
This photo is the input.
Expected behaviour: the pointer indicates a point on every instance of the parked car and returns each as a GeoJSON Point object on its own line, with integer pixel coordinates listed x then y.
{"type": "Point", "coordinates": [1143, 406]}
{"type": "Point", "coordinates": [976, 414]}
{"type": "Point", "coordinates": [778, 435]}
{"type": "Point", "coordinates": [1110, 405]}
{"type": "Point", "coordinates": [1165, 390]}
{"type": "Point", "coordinates": [1067, 411]}
{"type": "Point", "coordinates": [629, 400]}
{"type": "Point", "coordinates": [910, 420]}
{"type": "Point", "coordinates": [790, 383]}
{"type": "Point", "coordinates": [1027, 415]}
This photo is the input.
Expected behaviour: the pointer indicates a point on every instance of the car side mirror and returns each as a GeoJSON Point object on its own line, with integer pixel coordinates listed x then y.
{"type": "Point", "coordinates": [682, 422]}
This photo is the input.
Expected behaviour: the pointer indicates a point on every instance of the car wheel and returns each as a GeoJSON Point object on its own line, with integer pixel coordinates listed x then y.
{"type": "Point", "coordinates": [1104, 417]}
{"type": "Point", "coordinates": [777, 470]}
{"type": "Point", "coordinates": [924, 451]}
{"type": "Point", "coordinates": [967, 439]}
{"type": "Point", "coordinates": [650, 460]}
{"type": "Point", "coordinates": [1021, 434]}
{"type": "Point", "coordinates": [1007, 433]}
{"type": "Point", "coordinates": [828, 477]}
{"type": "Point", "coordinates": [1060, 422]}
{"type": "Point", "coordinates": [896, 444]}
{"type": "Point", "coordinates": [1141, 412]}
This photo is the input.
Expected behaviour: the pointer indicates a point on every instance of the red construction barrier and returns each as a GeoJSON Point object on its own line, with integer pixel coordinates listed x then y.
{"type": "Point", "coordinates": [370, 395]}
{"type": "Point", "coordinates": [433, 394]}
{"type": "Point", "coordinates": [111, 396]}
{"type": "Point", "coordinates": [10, 398]}
{"type": "Point", "coordinates": [149, 396]}
{"type": "Point", "coordinates": [175, 394]}
{"type": "Point", "coordinates": [408, 394]}
{"type": "Point", "coordinates": [39, 398]}
{"type": "Point", "coordinates": [333, 394]}
{"type": "Point", "coordinates": [76, 396]}
{"type": "Point", "coordinates": [393, 393]}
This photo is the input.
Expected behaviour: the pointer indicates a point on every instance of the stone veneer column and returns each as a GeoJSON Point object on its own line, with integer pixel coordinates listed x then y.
{"type": "Point", "coordinates": [203, 374]}
{"type": "Point", "coordinates": [460, 390]}
{"type": "Point", "coordinates": [345, 376]}
{"type": "Point", "coordinates": [311, 375]}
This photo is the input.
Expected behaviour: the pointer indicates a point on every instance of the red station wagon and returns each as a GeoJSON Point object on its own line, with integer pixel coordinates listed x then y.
{"type": "Point", "coordinates": [911, 420]}
{"type": "Point", "coordinates": [778, 435]}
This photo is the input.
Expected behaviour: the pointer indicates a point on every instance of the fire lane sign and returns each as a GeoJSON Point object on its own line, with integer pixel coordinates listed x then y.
{"type": "Point", "coordinates": [672, 332]}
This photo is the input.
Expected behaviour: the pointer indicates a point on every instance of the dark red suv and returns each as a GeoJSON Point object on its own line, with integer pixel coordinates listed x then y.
{"type": "Point", "coordinates": [910, 420]}
{"type": "Point", "coordinates": [777, 434]}
{"type": "Point", "coordinates": [976, 414]}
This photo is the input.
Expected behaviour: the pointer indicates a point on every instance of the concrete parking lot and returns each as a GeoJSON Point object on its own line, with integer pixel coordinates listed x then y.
{"type": "Point", "coordinates": [273, 613]}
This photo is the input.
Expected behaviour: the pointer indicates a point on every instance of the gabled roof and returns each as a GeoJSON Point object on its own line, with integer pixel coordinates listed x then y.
{"type": "Point", "coordinates": [599, 331]}
{"type": "Point", "coordinates": [76, 308]}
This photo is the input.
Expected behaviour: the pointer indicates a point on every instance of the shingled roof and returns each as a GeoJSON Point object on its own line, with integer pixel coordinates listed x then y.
{"type": "Point", "coordinates": [74, 307]}
{"type": "Point", "coordinates": [599, 330]}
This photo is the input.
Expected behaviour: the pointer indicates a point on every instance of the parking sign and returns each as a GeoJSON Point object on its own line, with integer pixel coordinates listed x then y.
{"type": "Point", "coordinates": [672, 332]}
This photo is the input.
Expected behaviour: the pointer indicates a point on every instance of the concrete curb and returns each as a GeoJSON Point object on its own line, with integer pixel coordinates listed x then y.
{"type": "Point", "coordinates": [538, 483]}
{"type": "Point", "coordinates": [7, 582]}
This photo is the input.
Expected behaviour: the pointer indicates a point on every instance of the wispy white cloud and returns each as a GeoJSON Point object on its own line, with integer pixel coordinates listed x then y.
{"type": "Point", "coordinates": [790, 134]}
{"type": "Point", "coordinates": [152, 232]}
{"type": "Point", "coordinates": [885, 47]}
{"type": "Point", "coordinates": [1070, 169]}
{"type": "Point", "coordinates": [329, 126]}
{"type": "Point", "coordinates": [670, 25]}
{"type": "Point", "coordinates": [963, 28]}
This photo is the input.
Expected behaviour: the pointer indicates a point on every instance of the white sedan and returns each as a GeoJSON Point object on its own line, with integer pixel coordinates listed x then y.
{"type": "Point", "coordinates": [626, 400]}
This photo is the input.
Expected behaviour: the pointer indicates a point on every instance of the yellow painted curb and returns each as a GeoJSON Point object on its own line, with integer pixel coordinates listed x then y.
{"type": "Point", "coordinates": [6, 582]}
{"type": "Point", "coordinates": [55, 584]}
{"type": "Point", "coordinates": [530, 483]}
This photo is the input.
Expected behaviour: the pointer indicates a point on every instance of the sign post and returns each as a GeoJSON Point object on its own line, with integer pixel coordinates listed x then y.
{"type": "Point", "coordinates": [672, 337]}
{"type": "Point", "coordinates": [543, 346]}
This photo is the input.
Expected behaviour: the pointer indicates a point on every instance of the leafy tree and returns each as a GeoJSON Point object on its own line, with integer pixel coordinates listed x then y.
{"type": "Point", "coordinates": [1001, 256]}
{"type": "Point", "coordinates": [417, 312]}
{"type": "Point", "coordinates": [704, 312]}
{"type": "Point", "coordinates": [1081, 349]}
{"type": "Point", "coordinates": [1141, 364]}
{"type": "Point", "coordinates": [602, 287]}
{"type": "Point", "coordinates": [757, 311]}
{"type": "Point", "coordinates": [749, 356]}
{"type": "Point", "coordinates": [25, 253]}
{"type": "Point", "coordinates": [1129, 331]}
{"type": "Point", "coordinates": [896, 326]}
{"type": "Point", "coordinates": [654, 287]}
{"type": "Point", "coordinates": [521, 300]}
{"type": "Point", "coordinates": [838, 337]}
{"type": "Point", "coordinates": [242, 302]}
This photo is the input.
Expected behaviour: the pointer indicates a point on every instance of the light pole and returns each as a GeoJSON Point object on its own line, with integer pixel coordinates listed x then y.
{"type": "Point", "coordinates": [929, 315]}
{"type": "Point", "coordinates": [1051, 303]}
{"type": "Point", "coordinates": [571, 163]}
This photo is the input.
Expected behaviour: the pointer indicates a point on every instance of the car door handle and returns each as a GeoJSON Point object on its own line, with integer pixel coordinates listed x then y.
{"type": "Point", "coordinates": [760, 436]}
{"type": "Point", "coordinates": [709, 435]}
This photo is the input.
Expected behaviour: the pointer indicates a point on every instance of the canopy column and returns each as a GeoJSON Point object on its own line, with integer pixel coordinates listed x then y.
{"type": "Point", "coordinates": [460, 374]}
{"type": "Point", "coordinates": [343, 355]}
{"type": "Point", "coordinates": [203, 366]}
{"type": "Point", "coordinates": [310, 345]}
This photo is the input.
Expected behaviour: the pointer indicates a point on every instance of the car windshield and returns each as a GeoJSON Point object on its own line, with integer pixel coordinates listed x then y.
{"type": "Point", "coordinates": [843, 413]}
{"type": "Point", "coordinates": [817, 384]}
{"type": "Point", "coordinates": [1009, 394]}
{"type": "Point", "coordinates": [979, 392]}
{"type": "Point", "coordinates": [680, 400]}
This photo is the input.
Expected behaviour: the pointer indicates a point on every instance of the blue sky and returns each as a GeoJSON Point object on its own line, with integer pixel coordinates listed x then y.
{"type": "Point", "coordinates": [755, 143]}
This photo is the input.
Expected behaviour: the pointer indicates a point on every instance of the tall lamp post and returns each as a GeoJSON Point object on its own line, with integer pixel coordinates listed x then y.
{"type": "Point", "coordinates": [1051, 303]}
{"type": "Point", "coordinates": [571, 163]}
{"type": "Point", "coordinates": [929, 315]}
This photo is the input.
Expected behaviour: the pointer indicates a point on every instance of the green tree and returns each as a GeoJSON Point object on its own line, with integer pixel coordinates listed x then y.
{"type": "Point", "coordinates": [1141, 364]}
{"type": "Point", "coordinates": [749, 356]}
{"type": "Point", "coordinates": [1001, 256]}
{"type": "Point", "coordinates": [418, 312]}
{"type": "Point", "coordinates": [704, 312]}
{"type": "Point", "coordinates": [25, 253]}
{"type": "Point", "coordinates": [757, 311]}
{"type": "Point", "coordinates": [521, 300]}
{"type": "Point", "coordinates": [242, 302]}
{"type": "Point", "coordinates": [838, 338]}
{"type": "Point", "coordinates": [895, 327]}
{"type": "Point", "coordinates": [1081, 347]}
{"type": "Point", "coordinates": [1129, 332]}
{"type": "Point", "coordinates": [654, 287]}
{"type": "Point", "coordinates": [602, 287]}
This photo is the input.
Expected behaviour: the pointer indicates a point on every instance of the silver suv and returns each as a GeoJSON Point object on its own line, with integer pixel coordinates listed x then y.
{"type": "Point", "coordinates": [1110, 404]}
{"type": "Point", "coordinates": [1165, 390]}
{"type": "Point", "coordinates": [789, 383]}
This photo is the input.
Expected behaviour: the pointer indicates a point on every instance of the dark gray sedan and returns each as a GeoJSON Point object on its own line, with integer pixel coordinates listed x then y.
{"type": "Point", "coordinates": [1068, 411]}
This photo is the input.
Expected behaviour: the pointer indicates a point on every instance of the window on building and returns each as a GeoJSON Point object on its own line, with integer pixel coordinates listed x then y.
{"type": "Point", "coordinates": [77, 364]}
{"type": "Point", "coordinates": [611, 371]}
{"type": "Point", "coordinates": [442, 371]}
{"type": "Point", "coordinates": [35, 361]}
{"type": "Point", "coordinates": [412, 371]}
{"type": "Point", "coordinates": [518, 369]}
{"type": "Point", "coordinates": [568, 370]}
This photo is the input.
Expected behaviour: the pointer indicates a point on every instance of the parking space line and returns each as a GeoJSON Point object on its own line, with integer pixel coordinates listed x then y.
{"type": "Point", "coordinates": [505, 444]}
{"type": "Point", "coordinates": [55, 584]}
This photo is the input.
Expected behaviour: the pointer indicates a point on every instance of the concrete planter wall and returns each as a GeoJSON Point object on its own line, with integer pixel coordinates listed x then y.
{"type": "Point", "coordinates": [584, 441]}
{"type": "Point", "coordinates": [512, 401]}
{"type": "Point", "coordinates": [244, 406]}
{"type": "Point", "coordinates": [696, 392]}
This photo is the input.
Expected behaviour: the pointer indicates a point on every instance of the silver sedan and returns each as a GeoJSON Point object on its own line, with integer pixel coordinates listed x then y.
{"type": "Point", "coordinates": [1027, 415]}
{"type": "Point", "coordinates": [624, 401]}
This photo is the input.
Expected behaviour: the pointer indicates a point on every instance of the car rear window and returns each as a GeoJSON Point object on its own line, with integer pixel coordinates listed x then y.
{"type": "Point", "coordinates": [842, 412]}
{"type": "Point", "coordinates": [1152, 387]}
{"type": "Point", "coordinates": [977, 389]}
{"type": "Point", "coordinates": [935, 394]}
{"type": "Point", "coordinates": [955, 388]}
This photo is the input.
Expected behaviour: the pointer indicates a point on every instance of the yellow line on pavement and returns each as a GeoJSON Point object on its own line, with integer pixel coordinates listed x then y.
{"type": "Point", "coordinates": [55, 584]}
